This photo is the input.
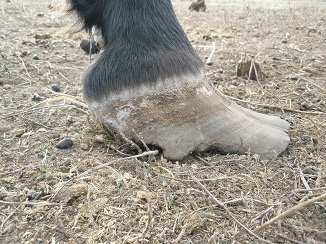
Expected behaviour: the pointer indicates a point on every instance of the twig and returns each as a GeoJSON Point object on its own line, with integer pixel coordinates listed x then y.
{"type": "Point", "coordinates": [141, 140]}
{"type": "Point", "coordinates": [212, 53]}
{"type": "Point", "coordinates": [119, 159]}
{"type": "Point", "coordinates": [62, 97]}
{"type": "Point", "coordinates": [45, 157]}
{"type": "Point", "coordinates": [262, 213]}
{"type": "Point", "coordinates": [64, 76]}
{"type": "Point", "coordinates": [213, 238]}
{"type": "Point", "coordinates": [172, 175]}
{"type": "Point", "coordinates": [104, 165]}
{"type": "Point", "coordinates": [126, 139]}
{"type": "Point", "coordinates": [225, 208]}
{"type": "Point", "coordinates": [182, 233]}
{"type": "Point", "coordinates": [276, 107]}
{"type": "Point", "coordinates": [31, 203]}
{"type": "Point", "coordinates": [290, 211]}
{"type": "Point", "coordinates": [305, 183]}
{"type": "Point", "coordinates": [311, 189]}
{"type": "Point", "coordinates": [256, 73]}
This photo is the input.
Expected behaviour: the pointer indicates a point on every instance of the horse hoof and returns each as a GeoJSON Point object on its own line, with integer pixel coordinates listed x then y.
{"type": "Point", "coordinates": [183, 117]}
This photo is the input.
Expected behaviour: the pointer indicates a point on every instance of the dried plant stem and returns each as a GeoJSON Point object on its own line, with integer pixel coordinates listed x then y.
{"type": "Point", "coordinates": [31, 203]}
{"type": "Point", "coordinates": [256, 73]}
{"type": "Point", "coordinates": [126, 139]}
{"type": "Point", "coordinates": [276, 107]}
{"type": "Point", "coordinates": [311, 189]}
{"type": "Point", "coordinates": [119, 159]}
{"type": "Point", "coordinates": [181, 234]}
{"type": "Point", "coordinates": [290, 211]}
{"type": "Point", "coordinates": [209, 60]}
{"type": "Point", "coordinates": [141, 140]}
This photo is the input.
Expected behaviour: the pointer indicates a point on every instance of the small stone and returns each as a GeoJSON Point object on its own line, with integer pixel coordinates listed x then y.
{"type": "Point", "coordinates": [32, 194]}
{"type": "Point", "coordinates": [207, 37]}
{"type": "Point", "coordinates": [100, 139]}
{"type": "Point", "coordinates": [42, 130]}
{"type": "Point", "coordinates": [89, 46]}
{"type": "Point", "coordinates": [24, 53]}
{"type": "Point", "coordinates": [42, 36]}
{"type": "Point", "coordinates": [126, 148]}
{"type": "Point", "coordinates": [119, 182]}
{"type": "Point", "coordinates": [145, 174]}
{"type": "Point", "coordinates": [304, 106]}
{"type": "Point", "coordinates": [209, 63]}
{"type": "Point", "coordinates": [221, 71]}
{"type": "Point", "coordinates": [65, 143]}
{"type": "Point", "coordinates": [276, 58]}
{"type": "Point", "coordinates": [55, 87]}
{"type": "Point", "coordinates": [84, 146]}
{"type": "Point", "coordinates": [193, 222]}
{"type": "Point", "coordinates": [295, 78]}
{"type": "Point", "coordinates": [315, 141]}
{"type": "Point", "coordinates": [36, 97]}
{"type": "Point", "coordinates": [129, 202]}
{"type": "Point", "coordinates": [145, 207]}
{"type": "Point", "coordinates": [309, 171]}
{"type": "Point", "coordinates": [70, 120]}
{"type": "Point", "coordinates": [235, 82]}
{"type": "Point", "coordinates": [35, 57]}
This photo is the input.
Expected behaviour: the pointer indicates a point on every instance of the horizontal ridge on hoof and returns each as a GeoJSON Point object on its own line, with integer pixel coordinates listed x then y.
{"type": "Point", "coordinates": [190, 116]}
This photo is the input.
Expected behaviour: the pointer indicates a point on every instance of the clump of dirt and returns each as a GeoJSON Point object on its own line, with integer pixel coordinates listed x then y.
{"type": "Point", "coordinates": [98, 190]}
{"type": "Point", "coordinates": [198, 6]}
{"type": "Point", "coordinates": [250, 69]}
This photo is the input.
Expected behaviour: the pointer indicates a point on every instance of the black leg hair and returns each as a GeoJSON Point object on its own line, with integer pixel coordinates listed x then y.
{"type": "Point", "coordinates": [144, 43]}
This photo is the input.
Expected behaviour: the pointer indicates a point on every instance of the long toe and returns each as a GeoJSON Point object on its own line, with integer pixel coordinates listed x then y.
{"type": "Point", "coordinates": [192, 117]}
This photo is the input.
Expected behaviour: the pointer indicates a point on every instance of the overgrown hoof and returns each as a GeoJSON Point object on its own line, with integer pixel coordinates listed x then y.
{"type": "Point", "coordinates": [190, 117]}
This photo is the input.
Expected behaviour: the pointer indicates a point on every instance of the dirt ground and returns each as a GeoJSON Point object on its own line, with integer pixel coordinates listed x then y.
{"type": "Point", "coordinates": [51, 195]}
